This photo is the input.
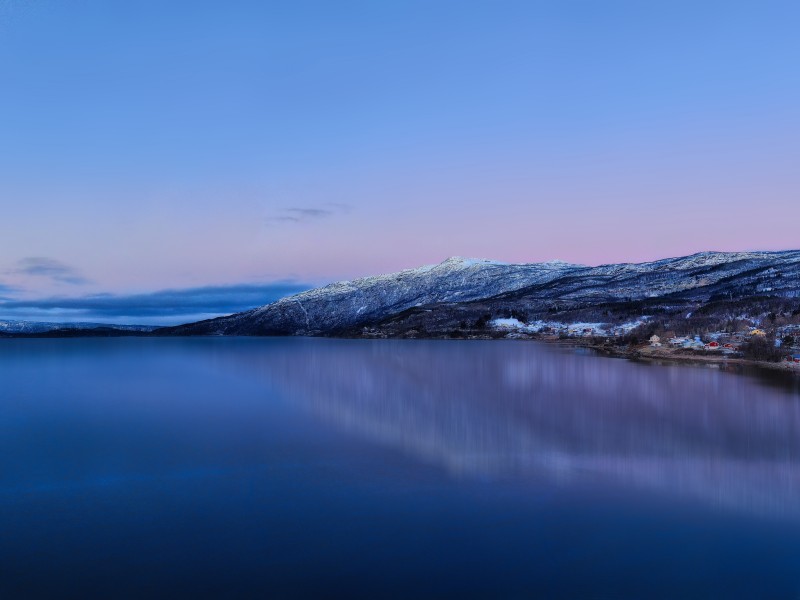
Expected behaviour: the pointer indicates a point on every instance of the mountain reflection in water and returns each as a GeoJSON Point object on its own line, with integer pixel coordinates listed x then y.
{"type": "Point", "coordinates": [289, 467]}
{"type": "Point", "coordinates": [517, 409]}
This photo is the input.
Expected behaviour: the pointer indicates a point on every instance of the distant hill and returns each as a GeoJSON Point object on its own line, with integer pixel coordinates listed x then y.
{"type": "Point", "coordinates": [460, 296]}
{"type": "Point", "coordinates": [17, 327]}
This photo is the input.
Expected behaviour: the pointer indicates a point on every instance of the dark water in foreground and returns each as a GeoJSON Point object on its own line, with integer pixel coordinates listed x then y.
{"type": "Point", "coordinates": [297, 467]}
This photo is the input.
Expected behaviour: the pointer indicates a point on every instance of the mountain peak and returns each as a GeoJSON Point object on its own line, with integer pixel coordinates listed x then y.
{"type": "Point", "coordinates": [462, 261]}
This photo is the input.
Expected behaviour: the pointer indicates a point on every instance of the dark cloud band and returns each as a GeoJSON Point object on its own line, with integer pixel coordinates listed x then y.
{"type": "Point", "coordinates": [165, 303]}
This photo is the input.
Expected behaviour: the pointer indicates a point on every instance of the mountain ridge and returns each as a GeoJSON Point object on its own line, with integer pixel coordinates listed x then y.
{"type": "Point", "coordinates": [458, 292]}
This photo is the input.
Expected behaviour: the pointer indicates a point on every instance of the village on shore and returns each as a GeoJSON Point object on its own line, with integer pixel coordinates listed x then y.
{"type": "Point", "coordinates": [777, 346]}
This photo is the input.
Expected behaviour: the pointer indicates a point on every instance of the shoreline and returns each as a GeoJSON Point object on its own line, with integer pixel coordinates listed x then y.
{"type": "Point", "coordinates": [657, 355]}
{"type": "Point", "coordinates": [641, 353]}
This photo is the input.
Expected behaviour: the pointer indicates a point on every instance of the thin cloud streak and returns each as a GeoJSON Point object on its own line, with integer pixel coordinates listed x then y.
{"type": "Point", "coordinates": [297, 214]}
{"type": "Point", "coordinates": [49, 268]}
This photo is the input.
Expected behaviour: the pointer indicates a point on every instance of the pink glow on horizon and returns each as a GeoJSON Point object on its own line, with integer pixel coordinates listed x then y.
{"type": "Point", "coordinates": [349, 143]}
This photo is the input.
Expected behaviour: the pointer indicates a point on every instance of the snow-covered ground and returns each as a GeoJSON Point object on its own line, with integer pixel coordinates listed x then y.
{"type": "Point", "coordinates": [574, 329]}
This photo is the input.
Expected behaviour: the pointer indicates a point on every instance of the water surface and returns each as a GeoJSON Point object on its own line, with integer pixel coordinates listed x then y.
{"type": "Point", "coordinates": [302, 467]}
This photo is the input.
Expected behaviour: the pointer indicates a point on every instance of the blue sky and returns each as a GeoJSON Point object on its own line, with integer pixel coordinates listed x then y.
{"type": "Point", "coordinates": [152, 146]}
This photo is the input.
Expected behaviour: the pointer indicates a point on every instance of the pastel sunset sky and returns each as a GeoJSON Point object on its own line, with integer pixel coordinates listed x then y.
{"type": "Point", "coordinates": [233, 152]}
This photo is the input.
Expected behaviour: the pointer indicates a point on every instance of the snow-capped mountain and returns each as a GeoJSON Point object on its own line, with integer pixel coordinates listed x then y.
{"type": "Point", "coordinates": [700, 275]}
{"type": "Point", "coordinates": [459, 290]}
{"type": "Point", "coordinates": [339, 306]}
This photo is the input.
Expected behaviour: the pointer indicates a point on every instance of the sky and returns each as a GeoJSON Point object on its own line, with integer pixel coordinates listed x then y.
{"type": "Point", "coordinates": [164, 160]}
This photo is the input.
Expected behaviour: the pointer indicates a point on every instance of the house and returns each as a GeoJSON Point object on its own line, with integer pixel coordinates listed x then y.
{"type": "Point", "coordinates": [796, 358]}
{"type": "Point", "coordinates": [712, 346]}
{"type": "Point", "coordinates": [655, 341]}
{"type": "Point", "coordinates": [758, 332]}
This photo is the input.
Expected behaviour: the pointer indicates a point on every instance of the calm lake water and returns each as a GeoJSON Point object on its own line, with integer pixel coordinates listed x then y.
{"type": "Point", "coordinates": [319, 468]}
